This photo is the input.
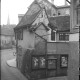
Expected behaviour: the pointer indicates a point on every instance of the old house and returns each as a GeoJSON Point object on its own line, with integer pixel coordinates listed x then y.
{"type": "Point", "coordinates": [46, 47]}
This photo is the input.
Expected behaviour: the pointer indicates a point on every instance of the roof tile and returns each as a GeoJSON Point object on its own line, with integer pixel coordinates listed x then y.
{"type": "Point", "coordinates": [62, 23]}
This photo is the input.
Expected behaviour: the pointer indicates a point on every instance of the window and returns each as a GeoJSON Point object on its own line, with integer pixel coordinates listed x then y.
{"type": "Point", "coordinates": [63, 36]}
{"type": "Point", "coordinates": [54, 14]}
{"type": "Point", "coordinates": [35, 63]}
{"type": "Point", "coordinates": [38, 62]}
{"type": "Point", "coordinates": [52, 35]}
{"type": "Point", "coordinates": [42, 63]}
{"type": "Point", "coordinates": [52, 63]}
{"type": "Point", "coordinates": [59, 13]}
{"type": "Point", "coordinates": [64, 61]}
{"type": "Point", "coordinates": [49, 65]}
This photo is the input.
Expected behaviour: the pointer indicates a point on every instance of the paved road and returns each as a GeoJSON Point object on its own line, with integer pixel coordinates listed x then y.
{"type": "Point", "coordinates": [9, 73]}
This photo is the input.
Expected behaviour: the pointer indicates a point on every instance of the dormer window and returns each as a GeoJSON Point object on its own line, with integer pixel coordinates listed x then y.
{"type": "Point", "coordinates": [63, 37]}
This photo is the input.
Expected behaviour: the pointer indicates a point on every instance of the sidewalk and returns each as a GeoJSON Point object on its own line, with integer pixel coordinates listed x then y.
{"type": "Point", "coordinates": [11, 63]}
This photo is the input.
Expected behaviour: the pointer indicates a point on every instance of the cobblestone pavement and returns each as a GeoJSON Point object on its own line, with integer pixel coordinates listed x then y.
{"type": "Point", "coordinates": [7, 72]}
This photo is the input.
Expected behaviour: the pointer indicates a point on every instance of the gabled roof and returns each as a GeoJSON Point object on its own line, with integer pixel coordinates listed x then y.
{"type": "Point", "coordinates": [26, 20]}
{"type": "Point", "coordinates": [62, 23]}
{"type": "Point", "coordinates": [29, 17]}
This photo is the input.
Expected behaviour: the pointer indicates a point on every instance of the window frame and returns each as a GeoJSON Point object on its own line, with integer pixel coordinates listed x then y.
{"type": "Point", "coordinates": [66, 57]}
{"type": "Point", "coordinates": [52, 36]}
{"type": "Point", "coordinates": [63, 36]}
{"type": "Point", "coordinates": [38, 67]}
{"type": "Point", "coordinates": [54, 59]}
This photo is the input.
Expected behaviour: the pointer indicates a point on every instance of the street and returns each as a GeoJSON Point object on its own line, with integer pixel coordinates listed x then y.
{"type": "Point", "coordinates": [7, 72]}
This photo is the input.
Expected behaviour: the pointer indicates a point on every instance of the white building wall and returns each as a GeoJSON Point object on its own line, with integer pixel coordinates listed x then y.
{"type": "Point", "coordinates": [28, 40]}
{"type": "Point", "coordinates": [43, 19]}
{"type": "Point", "coordinates": [74, 37]}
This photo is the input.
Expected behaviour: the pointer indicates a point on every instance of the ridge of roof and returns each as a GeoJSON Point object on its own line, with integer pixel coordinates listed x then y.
{"type": "Point", "coordinates": [28, 22]}
{"type": "Point", "coordinates": [27, 17]}
{"type": "Point", "coordinates": [33, 15]}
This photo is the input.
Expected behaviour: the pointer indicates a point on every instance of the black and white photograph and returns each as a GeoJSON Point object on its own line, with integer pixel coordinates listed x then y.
{"type": "Point", "coordinates": [39, 39]}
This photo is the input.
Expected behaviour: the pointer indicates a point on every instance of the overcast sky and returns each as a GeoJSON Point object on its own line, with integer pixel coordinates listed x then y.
{"type": "Point", "coordinates": [15, 7]}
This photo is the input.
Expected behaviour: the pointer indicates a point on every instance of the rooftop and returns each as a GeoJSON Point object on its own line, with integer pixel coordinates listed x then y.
{"type": "Point", "coordinates": [7, 30]}
{"type": "Point", "coordinates": [62, 23]}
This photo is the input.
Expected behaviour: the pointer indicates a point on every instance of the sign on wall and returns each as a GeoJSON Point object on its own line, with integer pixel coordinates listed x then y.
{"type": "Point", "coordinates": [42, 63]}
{"type": "Point", "coordinates": [38, 62]}
{"type": "Point", "coordinates": [64, 61]}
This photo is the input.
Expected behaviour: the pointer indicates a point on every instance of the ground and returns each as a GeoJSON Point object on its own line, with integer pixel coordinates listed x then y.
{"type": "Point", "coordinates": [7, 72]}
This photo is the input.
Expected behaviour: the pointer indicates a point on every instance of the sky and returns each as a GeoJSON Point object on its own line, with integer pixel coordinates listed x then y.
{"type": "Point", "coordinates": [11, 9]}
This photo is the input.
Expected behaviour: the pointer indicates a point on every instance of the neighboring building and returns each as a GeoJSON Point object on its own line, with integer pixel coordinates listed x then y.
{"type": "Point", "coordinates": [7, 36]}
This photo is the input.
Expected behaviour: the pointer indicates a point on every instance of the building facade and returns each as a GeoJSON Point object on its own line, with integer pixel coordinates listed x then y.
{"type": "Point", "coordinates": [47, 47]}
{"type": "Point", "coordinates": [7, 36]}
